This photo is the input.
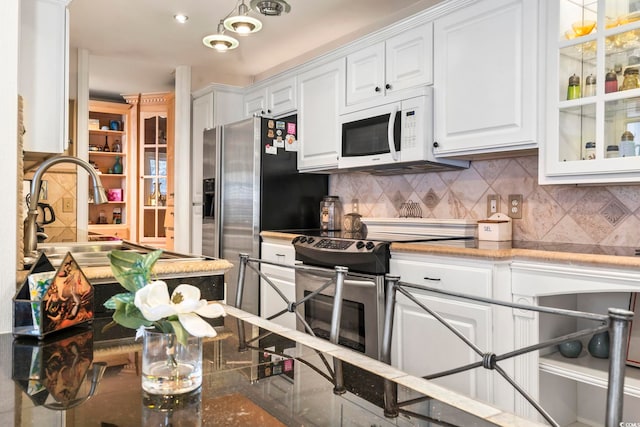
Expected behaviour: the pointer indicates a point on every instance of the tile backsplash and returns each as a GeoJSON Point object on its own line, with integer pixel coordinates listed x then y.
{"type": "Point", "coordinates": [605, 215]}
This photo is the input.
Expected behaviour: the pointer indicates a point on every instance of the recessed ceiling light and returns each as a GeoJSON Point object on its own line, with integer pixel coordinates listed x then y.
{"type": "Point", "coordinates": [270, 7]}
{"type": "Point", "coordinates": [181, 18]}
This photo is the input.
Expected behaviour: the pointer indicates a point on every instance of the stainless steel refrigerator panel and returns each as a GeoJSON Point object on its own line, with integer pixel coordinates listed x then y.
{"type": "Point", "coordinates": [210, 202]}
{"type": "Point", "coordinates": [240, 208]}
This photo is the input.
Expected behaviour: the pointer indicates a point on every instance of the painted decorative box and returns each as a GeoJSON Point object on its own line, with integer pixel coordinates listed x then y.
{"type": "Point", "coordinates": [115, 194]}
{"type": "Point", "coordinates": [50, 300]}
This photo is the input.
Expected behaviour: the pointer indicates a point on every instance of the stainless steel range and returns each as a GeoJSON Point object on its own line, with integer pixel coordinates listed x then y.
{"type": "Point", "coordinates": [367, 259]}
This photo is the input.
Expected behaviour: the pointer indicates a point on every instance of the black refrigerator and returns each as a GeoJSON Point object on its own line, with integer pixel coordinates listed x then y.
{"type": "Point", "coordinates": [258, 188]}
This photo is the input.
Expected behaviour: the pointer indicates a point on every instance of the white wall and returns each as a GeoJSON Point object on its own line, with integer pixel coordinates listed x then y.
{"type": "Point", "coordinates": [9, 19]}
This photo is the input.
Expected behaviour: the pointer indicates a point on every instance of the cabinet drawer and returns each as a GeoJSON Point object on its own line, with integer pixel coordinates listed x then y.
{"type": "Point", "coordinates": [281, 253]}
{"type": "Point", "coordinates": [284, 253]}
{"type": "Point", "coordinates": [469, 280]}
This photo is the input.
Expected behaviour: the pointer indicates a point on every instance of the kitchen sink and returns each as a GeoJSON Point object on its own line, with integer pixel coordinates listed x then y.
{"type": "Point", "coordinates": [94, 254]}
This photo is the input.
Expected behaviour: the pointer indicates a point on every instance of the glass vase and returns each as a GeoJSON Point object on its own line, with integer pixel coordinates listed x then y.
{"type": "Point", "coordinates": [168, 367]}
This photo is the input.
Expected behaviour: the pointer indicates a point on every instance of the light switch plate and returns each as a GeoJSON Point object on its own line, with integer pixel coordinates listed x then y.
{"type": "Point", "coordinates": [493, 204]}
{"type": "Point", "coordinates": [67, 204]}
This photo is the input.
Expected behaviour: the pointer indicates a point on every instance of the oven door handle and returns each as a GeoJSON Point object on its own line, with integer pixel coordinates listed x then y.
{"type": "Point", "coordinates": [325, 275]}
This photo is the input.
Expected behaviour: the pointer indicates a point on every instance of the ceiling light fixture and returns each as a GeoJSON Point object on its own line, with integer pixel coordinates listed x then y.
{"type": "Point", "coordinates": [181, 18]}
{"type": "Point", "coordinates": [270, 7]}
{"type": "Point", "coordinates": [242, 23]}
{"type": "Point", "coordinates": [219, 41]}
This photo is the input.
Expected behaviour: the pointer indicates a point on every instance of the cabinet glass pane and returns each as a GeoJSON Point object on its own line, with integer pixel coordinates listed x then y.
{"type": "Point", "coordinates": [160, 224]}
{"type": "Point", "coordinates": [150, 161]}
{"type": "Point", "coordinates": [577, 18]}
{"type": "Point", "coordinates": [150, 127]}
{"type": "Point", "coordinates": [622, 127]}
{"type": "Point", "coordinates": [578, 71]}
{"type": "Point", "coordinates": [162, 130]}
{"type": "Point", "coordinates": [577, 127]}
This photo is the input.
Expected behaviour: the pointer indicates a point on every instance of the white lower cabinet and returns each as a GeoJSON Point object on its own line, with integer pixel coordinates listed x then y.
{"type": "Point", "coordinates": [280, 251]}
{"type": "Point", "coordinates": [422, 346]}
{"type": "Point", "coordinates": [572, 391]}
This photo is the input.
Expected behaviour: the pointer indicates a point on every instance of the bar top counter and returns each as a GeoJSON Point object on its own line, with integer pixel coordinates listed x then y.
{"type": "Point", "coordinates": [279, 377]}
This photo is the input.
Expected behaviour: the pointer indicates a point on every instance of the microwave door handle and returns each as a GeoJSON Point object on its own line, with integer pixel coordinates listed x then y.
{"type": "Point", "coordinates": [390, 136]}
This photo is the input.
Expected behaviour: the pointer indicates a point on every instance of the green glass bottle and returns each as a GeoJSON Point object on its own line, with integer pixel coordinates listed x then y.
{"type": "Point", "coordinates": [117, 166]}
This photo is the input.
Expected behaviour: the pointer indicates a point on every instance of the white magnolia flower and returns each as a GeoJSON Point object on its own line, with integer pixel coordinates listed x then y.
{"type": "Point", "coordinates": [154, 302]}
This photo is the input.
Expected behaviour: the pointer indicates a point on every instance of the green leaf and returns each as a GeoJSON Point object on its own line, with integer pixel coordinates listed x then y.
{"type": "Point", "coordinates": [129, 316]}
{"type": "Point", "coordinates": [180, 332]}
{"type": "Point", "coordinates": [126, 298]}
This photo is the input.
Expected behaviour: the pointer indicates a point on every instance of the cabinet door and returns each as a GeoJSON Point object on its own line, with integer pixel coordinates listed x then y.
{"type": "Point", "coordinates": [43, 78]}
{"type": "Point", "coordinates": [255, 102]}
{"type": "Point", "coordinates": [281, 97]}
{"type": "Point", "coordinates": [409, 59]}
{"type": "Point", "coordinates": [365, 74]}
{"type": "Point", "coordinates": [485, 78]}
{"type": "Point", "coordinates": [321, 98]}
{"type": "Point", "coordinates": [422, 345]}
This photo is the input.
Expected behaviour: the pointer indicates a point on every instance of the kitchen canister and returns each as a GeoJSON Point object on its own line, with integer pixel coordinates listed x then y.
{"type": "Point", "coordinates": [330, 213]}
{"type": "Point", "coordinates": [573, 90]}
{"type": "Point", "coordinates": [627, 145]}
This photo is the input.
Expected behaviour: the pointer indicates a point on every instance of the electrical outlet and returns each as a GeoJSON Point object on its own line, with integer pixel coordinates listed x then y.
{"type": "Point", "coordinates": [515, 206]}
{"type": "Point", "coordinates": [493, 204]}
{"type": "Point", "coordinates": [67, 204]}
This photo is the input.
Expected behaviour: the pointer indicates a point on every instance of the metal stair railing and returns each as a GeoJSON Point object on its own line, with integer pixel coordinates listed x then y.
{"type": "Point", "coordinates": [291, 306]}
{"type": "Point", "coordinates": [616, 322]}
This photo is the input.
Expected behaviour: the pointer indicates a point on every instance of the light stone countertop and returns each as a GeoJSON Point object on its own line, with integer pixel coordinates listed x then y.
{"type": "Point", "coordinates": [161, 269]}
{"type": "Point", "coordinates": [594, 255]}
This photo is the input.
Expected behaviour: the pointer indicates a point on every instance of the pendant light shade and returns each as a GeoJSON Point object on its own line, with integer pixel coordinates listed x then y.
{"type": "Point", "coordinates": [242, 23]}
{"type": "Point", "coordinates": [219, 41]}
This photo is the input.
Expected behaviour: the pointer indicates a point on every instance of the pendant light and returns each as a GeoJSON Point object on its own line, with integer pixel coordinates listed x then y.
{"type": "Point", "coordinates": [219, 41]}
{"type": "Point", "coordinates": [242, 23]}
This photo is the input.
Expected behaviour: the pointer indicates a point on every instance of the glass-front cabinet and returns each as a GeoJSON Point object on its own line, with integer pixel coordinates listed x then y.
{"type": "Point", "coordinates": [153, 167]}
{"type": "Point", "coordinates": [593, 92]}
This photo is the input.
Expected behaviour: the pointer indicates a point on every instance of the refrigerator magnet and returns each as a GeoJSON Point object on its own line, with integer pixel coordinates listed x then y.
{"type": "Point", "coordinates": [271, 133]}
{"type": "Point", "coordinates": [290, 143]}
{"type": "Point", "coordinates": [280, 125]}
{"type": "Point", "coordinates": [270, 124]}
{"type": "Point", "coordinates": [270, 149]}
{"type": "Point", "coordinates": [291, 128]}
{"type": "Point", "coordinates": [278, 143]}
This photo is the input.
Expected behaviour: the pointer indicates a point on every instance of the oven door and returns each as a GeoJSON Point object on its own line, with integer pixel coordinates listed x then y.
{"type": "Point", "coordinates": [362, 308]}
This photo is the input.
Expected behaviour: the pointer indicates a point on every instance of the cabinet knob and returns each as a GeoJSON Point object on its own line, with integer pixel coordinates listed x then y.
{"type": "Point", "coordinates": [387, 86]}
{"type": "Point", "coordinates": [377, 89]}
{"type": "Point", "coordinates": [268, 111]}
{"type": "Point", "coordinates": [435, 144]}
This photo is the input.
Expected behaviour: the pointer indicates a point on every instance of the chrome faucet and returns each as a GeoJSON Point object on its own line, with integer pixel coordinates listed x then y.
{"type": "Point", "coordinates": [30, 228]}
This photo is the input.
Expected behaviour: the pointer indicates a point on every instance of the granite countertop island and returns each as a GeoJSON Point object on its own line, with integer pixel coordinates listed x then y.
{"type": "Point", "coordinates": [274, 377]}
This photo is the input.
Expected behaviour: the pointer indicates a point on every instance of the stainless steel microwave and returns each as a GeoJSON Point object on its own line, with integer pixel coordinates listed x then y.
{"type": "Point", "coordinates": [394, 135]}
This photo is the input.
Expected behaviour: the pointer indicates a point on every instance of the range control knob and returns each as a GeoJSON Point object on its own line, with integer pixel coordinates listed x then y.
{"type": "Point", "coordinates": [303, 239]}
{"type": "Point", "coordinates": [310, 240]}
{"type": "Point", "coordinates": [295, 240]}
{"type": "Point", "coordinates": [370, 245]}
{"type": "Point", "coordinates": [360, 244]}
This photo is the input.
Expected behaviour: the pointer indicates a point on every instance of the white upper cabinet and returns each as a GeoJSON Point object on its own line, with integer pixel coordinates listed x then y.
{"type": "Point", "coordinates": [275, 99]}
{"type": "Point", "coordinates": [399, 63]}
{"type": "Point", "coordinates": [321, 98]}
{"type": "Point", "coordinates": [43, 77]}
{"type": "Point", "coordinates": [486, 78]}
{"type": "Point", "coordinates": [593, 125]}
